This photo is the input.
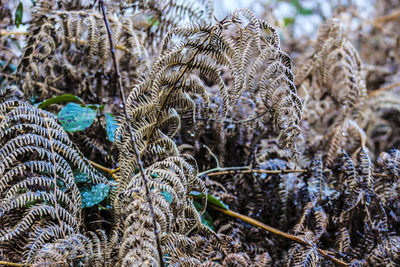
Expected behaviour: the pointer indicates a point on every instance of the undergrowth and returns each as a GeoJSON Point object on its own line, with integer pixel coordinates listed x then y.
{"type": "Point", "coordinates": [150, 133]}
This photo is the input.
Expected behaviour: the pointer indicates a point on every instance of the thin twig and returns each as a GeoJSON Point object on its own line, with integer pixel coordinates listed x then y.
{"type": "Point", "coordinates": [383, 19]}
{"type": "Point", "coordinates": [213, 155]}
{"type": "Point", "coordinates": [219, 169]}
{"type": "Point", "coordinates": [35, 82]}
{"type": "Point", "coordinates": [231, 121]}
{"type": "Point", "coordinates": [257, 171]}
{"type": "Point", "coordinates": [7, 263]}
{"type": "Point", "coordinates": [384, 88]}
{"type": "Point", "coordinates": [7, 33]}
{"type": "Point", "coordinates": [104, 169]}
{"type": "Point", "coordinates": [277, 232]}
{"type": "Point", "coordinates": [247, 169]}
{"type": "Point", "coordinates": [132, 136]}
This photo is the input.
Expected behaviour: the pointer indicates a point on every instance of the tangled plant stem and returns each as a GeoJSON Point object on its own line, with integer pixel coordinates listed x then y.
{"type": "Point", "coordinates": [277, 232]}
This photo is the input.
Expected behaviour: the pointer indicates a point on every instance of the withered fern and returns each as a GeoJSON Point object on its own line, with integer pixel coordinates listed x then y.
{"type": "Point", "coordinates": [40, 202]}
{"type": "Point", "coordinates": [334, 75]}
{"type": "Point", "coordinates": [213, 107]}
{"type": "Point", "coordinates": [63, 42]}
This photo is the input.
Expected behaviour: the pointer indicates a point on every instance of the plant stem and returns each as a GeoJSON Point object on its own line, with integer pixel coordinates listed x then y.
{"type": "Point", "coordinates": [222, 169]}
{"type": "Point", "coordinates": [7, 33]}
{"type": "Point", "coordinates": [104, 169]}
{"type": "Point", "coordinates": [7, 263]}
{"type": "Point", "coordinates": [386, 18]}
{"type": "Point", "coordinates": [384, 88]}
{"type": "Point", "coordinates": [256, 171]}
{"type": "Point", "coordinates": [246, 169]}
{"type": "Point", "coordinates": [37, 83]}
{"type": "Point", "coordinates": [132, 136]}
{"type": "Point", "coordinates": [277, 232]}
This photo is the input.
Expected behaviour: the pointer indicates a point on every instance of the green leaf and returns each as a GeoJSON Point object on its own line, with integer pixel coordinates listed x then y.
{"type": "Point", "coordinates": [98, 108]}
{"type": "Point", "coordinates": [153, 22]}
{"type": "Point", "coordinates": [81, 177]}
{"type": "Point", "coordinates": [288, 21]}
{"type": "Point", "coordinates": [206, 218]}
{"type": "Point", "coordinates": [301, 10]}
{"type": "Point", "coordinates": [66, 98]}
{"type": "Point", "coordinates": [295, 3]}
{"type": "Point", "coordinates": [33, 99]}
{"type": "Point", "coordinates": [107, 207]}
{"type": "Point", "coordinates": [304, 11]}
{"type": "Point", "coordinates": [93, 195]}
{"type": "Point", "coordinates": [18, 14]}
{"type": "Point", "coordinates": [167, 196]}
{"type": "Point", "coordinates": [210, 199]}
{"type": "Point", "coordinates": [74, 117]}
{"type": "Point", "coordinates": [111, 126]}
{"type": "Point", "coordinates": [10, 67]}
{"type": "Point", "coordinates": [60, 185]}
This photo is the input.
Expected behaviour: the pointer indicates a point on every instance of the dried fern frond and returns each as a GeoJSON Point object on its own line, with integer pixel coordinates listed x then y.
{"type": "Point", "coordinates": [74, 249]}
{"type": "Point", "coordinates": [387, 187]}
{"type": "Point", "coordinates": [336, 66]}
{"type": "Point", "coordinates": [313, 221]}
{"type": "Point", "coordinates": [353, 192]}
{"type": "Point", "coordinates": [39, 200]}
{"type": "Point", "coordinates": [262, 68]}
{"type": "Point", "coordinates": [334, 81]}
{"type": "Point", "coordinates": [341, 134]}
{"type": "Point", "coordinates": [387, 253]}
{"type": "Point", "coordinates": [205, 49]}
{"type": "Point", "coordinates": [157, 103]}
{"type": "Point", "coordinates": [299, 255]}
{"type": "Point", "coordinates": [379, 120]}
{"type": "Point", "coordinates": [63, 42]}
{"type": "Point", "coordinates": [317, 182]}
{"type": "Point", "coordinates": [158, 17]}
{"type": "Point", "coordinates": [171, 180]}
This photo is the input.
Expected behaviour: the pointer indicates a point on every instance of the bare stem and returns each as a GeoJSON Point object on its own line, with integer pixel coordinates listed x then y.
{"type": "Point", "coordinates": [132, 136]}
{"type": "Point", "coordinates": [7, 33]}
{"type": "Point", "coordinates": [383, 89]}
{"type": "Point", "coordinates": [7, 263]}
{"type": "Point", "coordinates": [246, 169]}
{"type": "Point", "coordinates": [104, 169]}
{"type": "Point", "coordinates": [256, 171]}
{"type": "Point", "coordinates": [37, 83]}
{"type": "Point", "coordinates": [383, 19]}
{"type": "Point", "coordinates": [277, 232]}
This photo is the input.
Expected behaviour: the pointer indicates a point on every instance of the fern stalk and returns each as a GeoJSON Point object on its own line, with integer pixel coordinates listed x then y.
{"type": "Point", "coordinates": [132, 137]}
{"type": "Point", "coordinates": [277, 232]}
{"type": "Point", "coordinates": [54, 170]}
